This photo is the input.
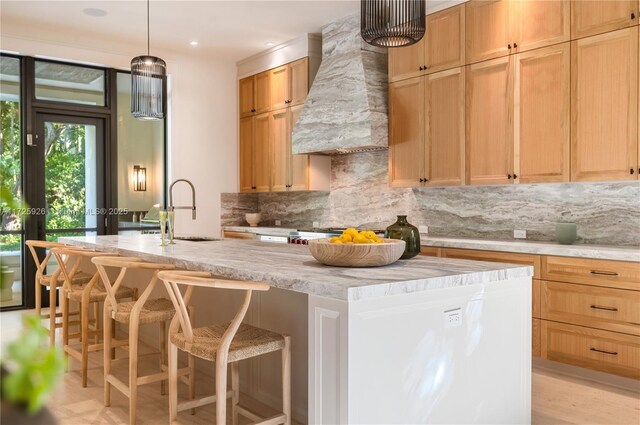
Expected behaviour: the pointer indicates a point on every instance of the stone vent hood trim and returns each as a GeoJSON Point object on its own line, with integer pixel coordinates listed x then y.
{"type": "Point", "coordinates": [346, 108]}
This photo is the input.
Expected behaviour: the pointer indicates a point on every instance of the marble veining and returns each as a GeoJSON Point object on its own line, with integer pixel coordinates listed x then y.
{"type": "Point", "coordinates": [293, 268]}
{"type": "Point", "coordinates": [346, 107]}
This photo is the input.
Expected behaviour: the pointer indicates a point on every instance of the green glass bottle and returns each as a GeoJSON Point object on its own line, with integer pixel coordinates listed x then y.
{"type": "Point", "coordinates": [407, 232]}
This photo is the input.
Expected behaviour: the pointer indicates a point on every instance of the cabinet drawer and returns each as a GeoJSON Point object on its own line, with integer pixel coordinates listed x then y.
{"type": "Point", "coordinates": [430, 250]}
{"type": "Point", "coordinates": [495, 256]}
{"type": "Point", "coordinates": [238, 235]}
{"type": "Point", "coordinates": [595, 349]}
{"type": "Point", "coordinates": [615, 274]}
{"type": "Point", "coordinates": [603, 308]}
{"type": "Point", "coordinates": [535, 337]}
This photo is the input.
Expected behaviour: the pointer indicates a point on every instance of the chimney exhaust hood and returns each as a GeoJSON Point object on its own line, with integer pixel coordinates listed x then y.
{"type": "Point", "coordinates": [346, 108]}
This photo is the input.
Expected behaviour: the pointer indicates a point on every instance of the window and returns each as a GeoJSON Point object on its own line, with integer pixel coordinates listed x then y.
{"type": "Point", "coordinates": [69, 83]}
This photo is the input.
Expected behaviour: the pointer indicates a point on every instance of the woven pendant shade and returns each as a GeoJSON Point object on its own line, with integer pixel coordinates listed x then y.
{"type": "Point", "coordinates": [392, 23]}
{"type": "Point", "coordinates": [148, 75]}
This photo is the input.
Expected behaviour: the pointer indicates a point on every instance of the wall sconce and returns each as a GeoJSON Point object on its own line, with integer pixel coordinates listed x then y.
{"type": "Point", "coordinates": [139, 179]}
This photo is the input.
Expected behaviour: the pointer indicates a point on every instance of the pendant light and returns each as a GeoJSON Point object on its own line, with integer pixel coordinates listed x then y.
{"type": "Point", "coordinates": [148, 84]}
{"type": "Point", "coordinates": [392, 23]}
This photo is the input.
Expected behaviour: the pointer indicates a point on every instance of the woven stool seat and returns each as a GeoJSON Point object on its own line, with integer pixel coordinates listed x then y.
{"type": "Point", "coordinates": [248, 342]}
{"type": "Point", "coordinates": [80, 278]}
{"type": "Point", "coordinates": [98, 292]}
{"type": "Point", "coordinates": [156, 310]}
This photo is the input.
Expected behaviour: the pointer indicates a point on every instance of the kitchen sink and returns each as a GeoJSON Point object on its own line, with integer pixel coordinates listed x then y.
{"type": "Point", "coordinates": [196, 238]}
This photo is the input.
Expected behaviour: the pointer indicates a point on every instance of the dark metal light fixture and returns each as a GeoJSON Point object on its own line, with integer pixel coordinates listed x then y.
{"type": "Point", "coordinates": [148, 84]}
{"type": "Point", "coordinates": [392, 23]}
{"type": "Point", "coordinates": [139, 178]}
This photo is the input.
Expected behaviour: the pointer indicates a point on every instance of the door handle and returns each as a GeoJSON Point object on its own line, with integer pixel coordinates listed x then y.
{"type": "Point", "coordinates": [599, 307]}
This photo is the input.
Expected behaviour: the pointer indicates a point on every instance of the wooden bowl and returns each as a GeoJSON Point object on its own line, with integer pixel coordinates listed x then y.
{"type": "Point", "coordinates": [356, 255]}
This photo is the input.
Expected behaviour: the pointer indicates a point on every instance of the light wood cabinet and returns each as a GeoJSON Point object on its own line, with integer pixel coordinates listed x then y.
{"type": "Point", "coordinates": [593, 306]}
{"type": "Point", "coordinates": [406, 132]}
{"type": "Point", "coordinates": [590, 17]}
{"type": "Point", "coordinates": [441, 48]}
{"type": "Point", "coordinates": [263, 92]}
{"type": "Point", "coordinates": [444, 144]}
{"type": "Point", "coordinates": [532, 260]}
{"type": "Point", "coordinates": [610, 352]}
{"type": "Point", "coordinates": [279, 87]}
{"type": "Point", "coordinates": [538, 23]}
{"type": "Point", "coordinates": [262, 155]}
{"type": "Point", "coordinates": [246, 154]}
{"type": "Point", "coordinates": [279, 135]}
{"type": "Point", "coordinates": [246, 98]}
{"type": "Point", "coordinates": [541, 115]}
{"type": "Point", "coordinates": [299, 81]}
{"type": "Point", "coordinates": [612, 274]}
{"type": "Point", "coordinates": [489, 126]}
{"type": "Point", "coordinates": [535, 337]}
{"type": "Point", "coordinates": [604, 106]}
{"type": "Point", "coordinates": [487, 30]}
{"type": "Point", "coordinates": [299, 164]}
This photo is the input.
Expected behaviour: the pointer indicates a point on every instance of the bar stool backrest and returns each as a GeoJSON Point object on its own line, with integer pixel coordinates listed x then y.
{"type": "Point", "coordinates": [172, 280]}
{"type": "Point", "coordinates": [41, 266]}
{"type": "Point", "coordinates": [124, 264]}
{"type": "Point", "coordinates": [70, 259]}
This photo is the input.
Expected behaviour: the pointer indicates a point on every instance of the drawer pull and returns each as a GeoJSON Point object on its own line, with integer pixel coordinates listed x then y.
{"type": "Point", "coordinates": [613, 353]}
{"type": "Point", "coordinates": [599, 307]}
{"type": "Point", "coordinates": [600, 272]}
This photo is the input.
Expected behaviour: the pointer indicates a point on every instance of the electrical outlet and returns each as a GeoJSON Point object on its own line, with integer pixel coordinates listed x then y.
{"type": "Point", "coordinates": [316, 224]}
{"type": "Point", "coordinates": [278, 222]}
{"type": "Point", "coordinates": [452, 318]}
{"type": "Point", "coordinates": [424, 230]}
{"type": "Point", "coordinates": [520, 234]}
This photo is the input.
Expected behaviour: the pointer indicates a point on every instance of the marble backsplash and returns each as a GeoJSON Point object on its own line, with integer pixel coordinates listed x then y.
{"type": "Point", "coordinates": [606, 213]}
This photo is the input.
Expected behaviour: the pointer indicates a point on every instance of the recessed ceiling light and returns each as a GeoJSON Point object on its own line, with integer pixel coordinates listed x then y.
{"type": "Point", "coordinates": [270, 43]}
{"type": "Point", "coordinates": [194, 43]}
{"type": "Point", "coordinates": [92, 11]}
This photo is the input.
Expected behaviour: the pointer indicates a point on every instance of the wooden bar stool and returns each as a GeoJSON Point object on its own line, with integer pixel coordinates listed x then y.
{"type": "Point", "coordinates": [51, 281]}
{"type": "Point", "coordinates": [222, 344]}
{"type": "Point", "coordinates": [93, 292]}
{"type": "Point", "coordinates": [134, 314]}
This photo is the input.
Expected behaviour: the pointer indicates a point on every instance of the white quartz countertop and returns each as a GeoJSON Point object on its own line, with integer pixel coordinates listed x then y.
{"type": "Point", "coordinates": [293, 268]}
{"type": "Point", "coordinates": [601, 252]}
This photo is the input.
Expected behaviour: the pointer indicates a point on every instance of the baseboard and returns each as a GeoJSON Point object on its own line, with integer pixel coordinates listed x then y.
{"type": "Point", "coordinates": [603, 378]}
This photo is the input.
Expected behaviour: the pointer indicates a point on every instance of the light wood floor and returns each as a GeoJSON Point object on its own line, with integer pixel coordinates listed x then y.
{"type": "Point", "coordinates": [556, 398]}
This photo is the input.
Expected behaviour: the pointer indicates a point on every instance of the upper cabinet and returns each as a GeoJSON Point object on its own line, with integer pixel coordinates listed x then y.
{"type": "Point", "coordinates": [441, 48]}
{"type": "Point", "coordinates": [590, 17]}
{"type": "Point", "coordinates": [604, 106]}
{"type": "Point", "coordinates": [279, 87]}
{"type": "Point", "coordinates": [247, 99]}
{"type": "Point", "coordinates": [298, 81]}
{"type": "Point", "coordinates": [498, 28]}
{"type": "Point", "coordinates": [487, 32]}
{"type": "Point", "coordinates": [263, 92]}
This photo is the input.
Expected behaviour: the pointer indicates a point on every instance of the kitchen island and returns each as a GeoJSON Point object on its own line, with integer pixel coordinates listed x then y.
{"type": "Point", "coordinates": [426, 340]}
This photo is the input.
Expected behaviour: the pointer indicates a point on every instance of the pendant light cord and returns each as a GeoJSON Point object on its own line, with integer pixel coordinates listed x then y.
{"type": "Point", "coordinates": [148, 37]}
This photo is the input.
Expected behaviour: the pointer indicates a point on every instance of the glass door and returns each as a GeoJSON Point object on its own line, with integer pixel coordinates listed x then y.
{"type": "Point", "coordinates": [71, 192]}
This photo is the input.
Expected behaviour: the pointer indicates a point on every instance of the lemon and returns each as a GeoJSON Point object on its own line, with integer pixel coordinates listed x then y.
{"type": "Point", "coordinates": [346, 237]}
{"type": "Point", "coordinates": [370, 235]}
{"type": "Point", "coordinates": [335, 239]}
{"type": "Point", "coordinates": [351, 232]}
{"type": "Point", "coordinates": [360, 238]}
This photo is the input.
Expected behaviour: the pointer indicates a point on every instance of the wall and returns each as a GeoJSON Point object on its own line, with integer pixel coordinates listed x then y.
{"type": "Point", "coordinates": [202, 130]}
{"type": "Point", "coordinates": [606, 213]}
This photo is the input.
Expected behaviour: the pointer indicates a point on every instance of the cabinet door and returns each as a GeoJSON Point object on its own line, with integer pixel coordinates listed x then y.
{"type": "Point", "coordinates": [280, 87]}
{"type": "Point", "coordinates": [604, 102]}
{"type": "Point", "coordinates": [541, 115]}
{"type": "Point", "coordinates": [279, 135]}
{"type": "Point", "coordinates": [489, 126]}
{"type": "Point", "coordinates": [247, 96]}
{"type": "Point", "coordinates": [536, 23]}
{"type": "Point", "coordinates": [406, 132]}
{"type": "Point", "coordinates": [261, 156]}
{"type": "Point", "coordinates": [263, 92]}
{"type": "Point", "coordinates": [445, 39]}
{"type": "Point", "coordinates": [487, 33]}
{"type": "Point", "coordinates": [246, 154]}
{"type": "Point", "coordinates": [299, 164]}
{"type": "Point", "coordinates": [299, 75]}
{"type": "Point", "coordinates": [407, 62]}
{"type": "Point", "coordinates": [590, 17]}
{"type": "Point", "coordinates": [444, 131]}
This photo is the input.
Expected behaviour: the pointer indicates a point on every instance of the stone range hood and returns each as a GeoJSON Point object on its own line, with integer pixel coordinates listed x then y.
{"type": "Point", "coordinates": [346, 108]}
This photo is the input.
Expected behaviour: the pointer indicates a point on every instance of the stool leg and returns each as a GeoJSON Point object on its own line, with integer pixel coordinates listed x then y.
{"type": "Point", "coordinates": [52, 313]}
{"type": "Point", "coordinates": [192, 380]}
{"type": "Point", "coordinates": [96, 323]}
{"type": "Point", "coordinates": [64, 304]}
{"type": "Point", "coordinates": [221, 390]}
{"type": "Point", "coordinates": [108, 324]}
{"type": "Point", "coordinates": [84, 323]}
{"type": "Point", "coordinates": [173, 382]}
{"type": "Point", "coordinates": [163, 354]}
{"type": "Point", "coordinates": [286, 379]}
{"type": "Point", "coordinates": [38, 299]}
{"type": "Point", "coordinates": [235, 386]}
{"type": "Point", "coordinates": [133, 370]}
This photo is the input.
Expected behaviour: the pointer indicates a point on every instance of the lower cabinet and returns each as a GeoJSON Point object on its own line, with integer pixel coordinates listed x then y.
{"type": "Point", "coordinates": [585, 312]}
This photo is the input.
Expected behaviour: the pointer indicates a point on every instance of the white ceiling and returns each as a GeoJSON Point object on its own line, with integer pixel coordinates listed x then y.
{"type": "Point", "coordinates": [230, 29]}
